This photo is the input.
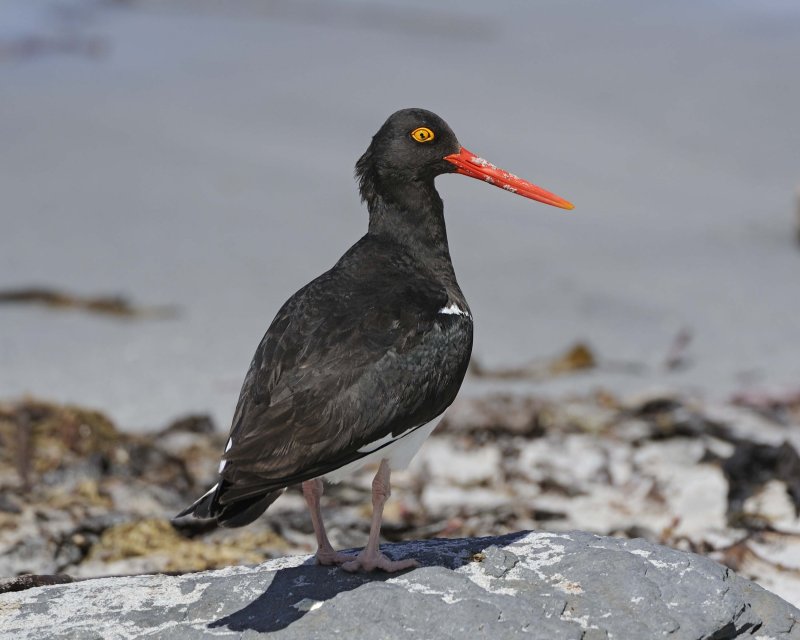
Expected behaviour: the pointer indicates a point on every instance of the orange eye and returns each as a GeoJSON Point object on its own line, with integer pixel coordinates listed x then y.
{"type": "Point", "coordinates": [422, 134]}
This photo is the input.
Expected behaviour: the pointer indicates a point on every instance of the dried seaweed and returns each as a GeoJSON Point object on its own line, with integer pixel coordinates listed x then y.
{"type": "Point", "coordinates": [117, 306]}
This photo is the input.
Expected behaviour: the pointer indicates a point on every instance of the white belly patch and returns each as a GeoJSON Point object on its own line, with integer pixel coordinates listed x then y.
{"type": "Point", "coordinates": [399, 452]}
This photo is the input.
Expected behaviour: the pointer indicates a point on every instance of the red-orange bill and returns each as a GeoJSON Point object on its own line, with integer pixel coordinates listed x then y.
{"type": "Point", "coordinates": [468, 164]}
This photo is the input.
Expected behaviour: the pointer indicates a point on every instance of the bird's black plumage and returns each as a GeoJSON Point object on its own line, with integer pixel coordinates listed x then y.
{"type": "Point", "coordinates": [362, 351]}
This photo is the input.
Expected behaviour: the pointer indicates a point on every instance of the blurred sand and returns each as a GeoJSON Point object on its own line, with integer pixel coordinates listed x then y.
{"type": "Point", "coordinates": [205, 160]}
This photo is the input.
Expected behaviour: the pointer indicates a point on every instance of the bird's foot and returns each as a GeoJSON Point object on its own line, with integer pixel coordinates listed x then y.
{"type": "Point", "coordinates": [331, 557]}
{"type": "Point", "coordinates": [366, 561]}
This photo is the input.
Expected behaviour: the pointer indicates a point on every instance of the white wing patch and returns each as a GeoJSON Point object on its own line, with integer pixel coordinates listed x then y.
{"type": "Point", "coordinates": [222, 463]}
{"type": "Point", "coordinates": [453, 309]}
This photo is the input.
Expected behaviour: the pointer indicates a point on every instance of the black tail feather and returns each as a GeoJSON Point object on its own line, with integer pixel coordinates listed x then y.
{"type": "Point", "coordinates": [242, 512]}
{"type": "Point", "coordinates": [202, 507]}
{"type": "Point", "coordinates": [233, 514]}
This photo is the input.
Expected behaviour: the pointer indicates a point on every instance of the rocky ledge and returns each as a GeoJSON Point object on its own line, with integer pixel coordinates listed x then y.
{"type": "Point", "coordinates": [572, 585]}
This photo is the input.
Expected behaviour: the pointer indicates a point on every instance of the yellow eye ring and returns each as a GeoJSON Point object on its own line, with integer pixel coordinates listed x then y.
{"type": "Point", "coordinates": [422, 134]}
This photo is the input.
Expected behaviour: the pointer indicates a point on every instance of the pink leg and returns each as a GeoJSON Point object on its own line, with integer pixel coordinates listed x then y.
{"type": "Point", "coordinates": [370, 557]}
{"type": "Point", "coordinates": [312, 492]}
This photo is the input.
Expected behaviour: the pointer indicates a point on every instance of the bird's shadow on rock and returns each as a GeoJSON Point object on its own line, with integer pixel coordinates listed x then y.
{"type": "Point", "coordinates": [295, 591]}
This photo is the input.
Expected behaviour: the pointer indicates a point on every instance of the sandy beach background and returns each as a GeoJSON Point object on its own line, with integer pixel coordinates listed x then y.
{"type": "Point", "coordinates": [199, 155]}
{"type": "Point", "coordinates": [172, 170]}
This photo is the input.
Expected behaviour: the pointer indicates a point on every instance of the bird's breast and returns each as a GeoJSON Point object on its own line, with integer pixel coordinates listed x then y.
{"type": "Point", "coordinates": [452, 338]}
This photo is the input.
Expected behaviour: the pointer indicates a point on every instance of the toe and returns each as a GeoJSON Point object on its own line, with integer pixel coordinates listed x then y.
{"type": "Point", "coordinates": [351, 566]}
{"type": "Point", "coordinates": [364, 562]}
{"type": "Point", "coordinates": [391, 566]}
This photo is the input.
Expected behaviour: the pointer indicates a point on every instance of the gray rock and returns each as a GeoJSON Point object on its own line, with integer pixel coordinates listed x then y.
{"type": "Point", "coordinates": [552, 586]}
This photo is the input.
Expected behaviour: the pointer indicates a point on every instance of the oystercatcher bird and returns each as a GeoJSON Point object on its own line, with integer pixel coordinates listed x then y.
{"type": "Point", "coordinates": [359, 364]}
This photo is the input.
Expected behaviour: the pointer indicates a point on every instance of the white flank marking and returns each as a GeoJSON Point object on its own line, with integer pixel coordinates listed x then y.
{"type": "Point", "coordinates": [453, 309]}
{"type": "Point", "coordinates": [229, 445]}
{"type": "Point", "coordinates": [398, 452]}
{"type": "Point", "coordinates": [378, 443]}
{"type": "Point", "coordinates": [508, 187]}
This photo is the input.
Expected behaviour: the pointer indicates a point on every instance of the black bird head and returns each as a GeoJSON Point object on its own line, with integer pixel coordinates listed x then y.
{"type": "Point", "coordinates": [415, 146]}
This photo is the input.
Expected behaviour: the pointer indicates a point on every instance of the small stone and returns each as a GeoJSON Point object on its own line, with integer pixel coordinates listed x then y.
{"type": "Point", "coordinates": [307, 604]}
{"type": "Point", "coordinates": [496, 561]}
{"type": "Point", "coordinates": [774, 504]}
{"type": "Point", "coordinates": [9, 503]}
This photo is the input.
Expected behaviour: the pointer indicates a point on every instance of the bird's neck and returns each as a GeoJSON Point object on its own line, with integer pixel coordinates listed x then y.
{"type": "Point", "coordinates": [412, 214]}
